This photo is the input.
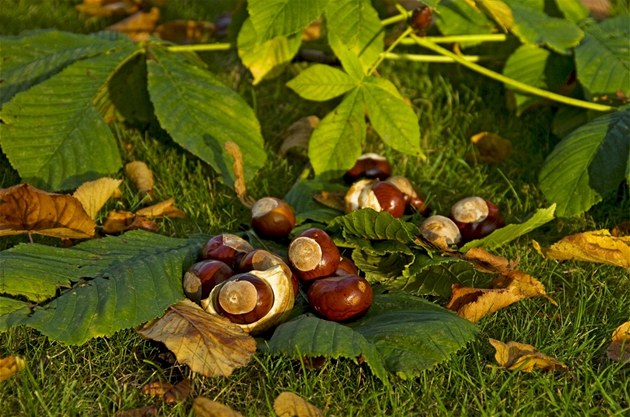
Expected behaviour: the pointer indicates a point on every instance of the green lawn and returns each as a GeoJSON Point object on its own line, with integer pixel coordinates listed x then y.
{"type": "Point", "coordinates": [106, 375]}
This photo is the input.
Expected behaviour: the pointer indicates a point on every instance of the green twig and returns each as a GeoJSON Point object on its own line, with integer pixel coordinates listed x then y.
{"type": "Point", "coordinates": [432, 58]}
{"type": "Point", "coordinates": [525, 88]}
{"type": "Point", "coordinates": [200, 47]}
{"type": "Point", "coordinates": [483, 37]}
{"type": "Point", "coordinates": [403, 16]}
{"type": "Point", "coordinates": [381, 57]}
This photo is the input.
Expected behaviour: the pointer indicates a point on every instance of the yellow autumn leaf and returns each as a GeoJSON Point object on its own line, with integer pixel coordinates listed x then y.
{"type": "Point", "coordinates": [204, 407]}
{"type": "Point", "coordinates": [10, 366]}
{"type": "Point", "coordinates": [500, 12]}
{"type": "Point", "coordinates": [26, 209]}
{"type": "Point", "coordinates": [288, 404]}
{"type": "Point", "coordinates": [163, 209]}
{"type": "Point", "coordinates": [141, 176]}
{"type": "Point", "coordinates": [94, 194]}
{"type": "Point", "coordinates": [619, 348]}
{"type": "Point", "coordinates": [122, 221]}
{"type": "Point", "coordinates": [593, 246]}
{"type": "Point", "coordinates": [516, 356]}
{"type": "Point", "coordinates": [139, 26]}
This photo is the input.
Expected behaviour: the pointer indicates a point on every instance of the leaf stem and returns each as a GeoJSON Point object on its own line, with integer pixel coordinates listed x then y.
{"type": "Point", "coordinates": [404, 15]}
{"type": "Point", "coordinates": [200, 47]}
{"type": "Point", "coordinates": [526, 88]}
{"type": "Point", "coordinates": [432, 58]}
{"type": "Point", "coordinates": [482, 37]}
{"type": "Point", "coordinates": [381, 57]}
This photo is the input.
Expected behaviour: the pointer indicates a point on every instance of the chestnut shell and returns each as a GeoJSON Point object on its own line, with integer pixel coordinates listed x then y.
{"type": "Point", "coordinates": [340, 298]}
{"type": "Point", "coordinates": [263, 303]}
{"type": "Point", "coordinates": [482, 228]}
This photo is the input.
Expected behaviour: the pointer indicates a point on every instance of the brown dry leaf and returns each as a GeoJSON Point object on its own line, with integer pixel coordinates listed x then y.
{"type": "Point", "coordinates": [600, 9]}
{"type": "Point", "coordinates": [142, 177]}
{"type": "Point", "coordinates": [146, 411]}
{"type": "Point", "coordinates": [288, 404]}
{"type": "Point", "coordinates": [313, 31]}
{"type": "Point", "coordinates": [619, 348]}
{"type": "Point", "coordinates": [122, 221]}
{"type": "Point", "coordinates": [204, 407]}
{"type": "Point", "coordinates": [107, 8]}
{"type": "Point", "coordinates": [186, 31]}
{"type": "Point", "coordinates": [26, 209]}
{"type": "Point", "coordinates": [484, 261]}
{"type": "Point", "coordinates": [239, 175]}
{"type": "Point", "coordinates": [10, 366]}
{"type": "Point", "coordinates": [516, 356]}
{"type": "Point", "coordinates": [163, 209]}
{"type": "Point", "coordinates": [178, 392]}
{"type": "Point", "coordinates": [298, 134]}
{"type": "Point", "coordinates": [332, 199]}
{"type": "Point", "coordinates": [138, 26]}
{"type": "Point", "coordinates": [490, 148]}
{"type": "Point", "coordinates": [593, 246]}
{"type": "Point", "coordinates": [94, 194]}
{"type": "Point", "coordinates": [208, 344]}
{"type": "Point", "coordinates": [156, 388]}
{"type": "Point", "coordinates": [620, 230]}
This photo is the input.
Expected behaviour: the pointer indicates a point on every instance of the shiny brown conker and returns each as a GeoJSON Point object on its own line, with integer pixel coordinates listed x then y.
{"type": "Point", "coordinates": [203, 276]}
{"type": "Point", "coordinates": [244, 299]}
{"type": "Point", "coordinates": [313, 254]}
{"type": "Point", "coordinates": [272, 218]}
{"type": "Point", "coordinates": [346, 267]}
{"type": "Point", "coordinates": [440, 231]}
{"type": "Point", "coordinates": [390, 198]}
{"type": "Point", "coordinates": [414, 200]}
{"type": "Point", "coordinates": [476, 217]}
{"type": "Point", "coordinates": [340, 298]}
{"type": "Point", "coordinates": [369, 165]}
{"type": "Point", "coordinates": [227, 248]}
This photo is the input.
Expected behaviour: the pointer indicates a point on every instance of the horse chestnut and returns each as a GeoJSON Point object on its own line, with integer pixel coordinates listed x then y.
{"type": "Point", "coordinates": [313, 254]}
{"type": "Point", "coordinates": [340, 298]}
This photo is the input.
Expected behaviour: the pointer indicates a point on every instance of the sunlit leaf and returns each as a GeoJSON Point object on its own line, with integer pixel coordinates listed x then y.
{"type": "Point", "coordinates": [94, 194]}
{"type": "Point", "coordinates": [204, 407]}
{"type": "Point", "coordinates": [516, 356]}
{"type": "Point", "coordinates": [141, 176]}
{"type": "Point", "coordinates": [322, 82]}
{"type": "Point", "coordinates": [210, 345]}
{"type": "Point", "coordinates": [273, 18]}
{"type": "Point", "coordinates": [289, 404]}
{"type": "Point", "coordinates": [11, 365]}
{"type": "Point", "coordinates": [619, 348]}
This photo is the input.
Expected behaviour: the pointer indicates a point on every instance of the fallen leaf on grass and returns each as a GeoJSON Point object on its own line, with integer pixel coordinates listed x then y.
{"type": "Point", "coordinates": [26, 209]}
{"type": "Point", "coordinates": [123, 221]}
{"type": "Point", "coordinates": [94, 194]}
{"type": "Point", "coordinates": [186, 31]}
{"type": "Point", "coordinates": [288, 404]}
{"type": "Point", "coordinates": [298, 134]}
{"type": "Point", "coordinates": [619, 348]}
{"type": "Point", "coordinates": [516, 356]}
{"type": "Point", "coordinates": [507, 288]}
{"type": "Point", "coordinates": [178, 392]}
{"type": "Point", "coordinates": [156, 388]}
{"type": "Point", "coordinates": [146, 411]}
{"type": "Point", "coordinates": [593, 246]}
{"type": "Point", "coordinates": [208, 344]}
{"type": "Point", "coordinates": [10, 366]}
{"type": "Point", "coordinates": [141, 176]}
{"type": "Point", "coordinates": [107, 8]}
{"type": "Point", "coordinates": [139, 26]}
{"type": "Point", "coordinates": [165, 208]}
{"type": "Point", "coordinates": [240, 188]}
{"type": "Point", "coordinates": [204, 407]}
{"type": "Point", "coordinates": [490, 148]}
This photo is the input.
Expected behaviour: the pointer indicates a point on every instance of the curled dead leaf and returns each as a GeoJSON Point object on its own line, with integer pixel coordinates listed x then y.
{"type": "Point", "coordinates": [94, 194]}
{"type": "Point", "coordinates": [210, 345]}
{"type": "Point", "coordinates": [203, 407]}
{"type": "Point", "coordinates": [516, 356]}
{"type": "Point", "coordinates": [141, 176]}
{"type": "Point", "coordinates": [298, 134]}
{"type": "Point", "coordinates": [139, 26]}
{"type": "Point", "coordinates": [288, 404]}
{"type": "Point", "coordinates": [332, 199]}
{"type": "Point", "coordinates": [619, 348]}
{"type": "Point", "coordinates": [178, 392]}
{"type": "Point", "coordinates": [484, 261]}
{"type": "Point", "coordinates": [156, 388]}
{"type": "Point", "coordinates": [122, 221]}
{"type": "Point", "coordinates": [594, 246]}
{"type": "Point", "coordinates": [26, 209]}
{"type": "Point", "coordinates": [186, 31]}
{"type": "Point", "coordinates": [490, 148]}
{"type": "Point", "coordinates": [239, 175]}
{"type": "Point", "coordinates": [165, 208]}
{"type": "Point", "coordinates": [10, 366]}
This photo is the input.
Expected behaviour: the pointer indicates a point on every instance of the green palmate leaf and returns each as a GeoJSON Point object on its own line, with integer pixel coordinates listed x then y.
{"type": "Point", "coordinates": [537, 67]}
{"type": "Point", "coordinates": [533, 26]}
{"type": "Point", "coordinates": [392, 118]}
{"type": "Point", "coordinates": [311, 336]}
{"type": "Point", "coordinates": [272, 18]}
{"type": "Point", "coordinates": [32, 58]}
{"type": "Point", "coordinates": [358, 24]}
{"type": "Point", "coordinates": [369, 224]}
{"type": "Point", "coordinates": [349, 60]}
{"type": "Point", "coordinates": [573, 10]}
{"type": "Point", "coordinates": [322, 82]}
{"type": "Point", "coordinates": [53, 135]}
{"type": "Point", "coordinates": [126, 281]}
{"type": "Point", "coordinates": [456, 17]}
{"type": "Point", "coordinates": [338, 139]}
{"type": "Point", "coordinates": [412, 334]}
{"type": "Point", "coordinates": [379, 267]}
{"type": "Point", "coordinates": [510, 232]}
{"type": "Point", "coordinates": [588, 164]}
{"type": "Point", "coordinates": [265, 59]}
{"type": "Point", "coordinates": [201, 114]}
{"type": "Point", "coordinates": [603, 59]}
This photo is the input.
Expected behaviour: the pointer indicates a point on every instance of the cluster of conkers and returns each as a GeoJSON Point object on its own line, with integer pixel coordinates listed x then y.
{"type": "Point", "coordinates": [334, 289]}
{"type": "Point", "coordinates": [373, 186]}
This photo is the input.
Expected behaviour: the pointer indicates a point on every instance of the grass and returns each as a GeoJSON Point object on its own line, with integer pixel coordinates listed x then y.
{"type": "Point", "coordinates": [105, 375]}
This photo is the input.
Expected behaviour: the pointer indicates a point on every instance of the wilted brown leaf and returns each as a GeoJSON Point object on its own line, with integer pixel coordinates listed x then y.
{"type": "Point", "coordinates": [313, 31]}
{"type": "Point", "coordinates": [178, 392]}
{"type": "Point", "coordinates": [146, 411]}
{"type": "Point", "coordinates": [26, 209]}
{"type": "Point", "coordinates": [10, 366]}
{"type": "Point", "coordinates": [208, 344]}
{"type": "Point", "coordinates": [141, 176]}
{"type": "Point", "coordinates": [600, 9]}
{"type": "Point", "coordinates": [156, 388]}
{"type": "Point", "coordinates": [484, 261]}
{"type": "Point", "coordinates": [203, 407]}
{"type": "Point", "coordinates": [239, 175]}
{"type": "Point", "coordinates": [186, 31]}
{"type": "Point", "coordinates": [593, 246]}
{"type": "Point", "coordinates": [288, 404]}
{"type": "Point", "coordinates": [122, 221]}
{"type": "Point", "coordinates": [619, 348]}
{"type": "Point", "coordinates": [332, 199]}
{"type": "Point", "coordinates": [298, 134]}
{"type": "Point", "coordinates": [107, 8]}
{"type": "Point", "coordinates": [94, 194]}
{"type": "Point", "coordinates": [139, 25]}
{"type": "Point", "coordinates": [516, 356]}
{"type": "Point", "coordinates": [163, 209]}
{"type": "Point", "coordinates": [490, 148]}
